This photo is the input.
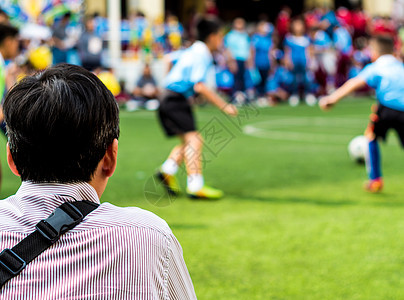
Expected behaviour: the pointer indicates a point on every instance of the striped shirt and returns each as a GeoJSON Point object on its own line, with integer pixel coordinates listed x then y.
{"type": "Point", "coordinates": [115, 253]}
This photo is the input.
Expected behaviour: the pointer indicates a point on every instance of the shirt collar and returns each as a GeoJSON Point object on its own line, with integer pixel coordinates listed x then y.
{"type": "Point", "coordinates": [201, 46]}
{"type": "Point", "coordinates": [386, 58]}
{"type": "Point", "coordinates": [55, 194]}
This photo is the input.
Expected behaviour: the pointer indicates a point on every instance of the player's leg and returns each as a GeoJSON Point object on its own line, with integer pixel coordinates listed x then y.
{"type": "Point", "coordinates": [373, 166]}
{"type": "Point", "coordinates": [196, 187]}
{"type": "Point", "coordinates": [175, 159]}
{"type": "Point", "coordinates": [294, 98]}
{"type": "Point", "coordinates": [310, 88]}
{"type": "Point", "coordinates": [375, 129]}
{"type": "Point", "coordinates": [172, 111]}
{"type": "Point", "coordinates": [168, 170]}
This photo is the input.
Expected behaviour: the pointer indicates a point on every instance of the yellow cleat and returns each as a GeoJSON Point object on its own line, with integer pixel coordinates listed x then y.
{"type": "Point", "coordinates": [169, 182]}
{"type": "Point", "coordinates": [207, 193]}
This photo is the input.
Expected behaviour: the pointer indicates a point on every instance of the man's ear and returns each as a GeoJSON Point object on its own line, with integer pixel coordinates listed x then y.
{"type": "Point", "coordinates": [109, 161]}
{"type": "Point", "coordinates": [10, 162]}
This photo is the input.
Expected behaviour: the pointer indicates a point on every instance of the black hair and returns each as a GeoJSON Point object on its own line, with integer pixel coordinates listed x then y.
{"type": "Point", "coordinates": [384, 43]}
{"type": "Point", "coordinates": [7, 31]}
{"type": "Point", "coordinates": [59, 124]}
{"type": "Point", "coordinates": [206, 27]}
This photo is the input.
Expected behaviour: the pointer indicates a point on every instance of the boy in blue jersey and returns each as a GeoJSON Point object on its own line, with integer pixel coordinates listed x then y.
{"type": "Point", "coordinates": [237, 44]}
{"type": "Point", "coordinates": [261, 48]}
{"type": "Point", "coordinates": [386, 75]}
{"type": "Point", "coordinates": [185, 79]}
{"type": "Point", "coordinates": [297, 48]}
{"type": "Point", "coordinates": [279, 84]}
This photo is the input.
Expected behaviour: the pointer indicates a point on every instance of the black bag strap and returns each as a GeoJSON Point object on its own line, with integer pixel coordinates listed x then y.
{"type": "Point", "coordinates": [48, 232]}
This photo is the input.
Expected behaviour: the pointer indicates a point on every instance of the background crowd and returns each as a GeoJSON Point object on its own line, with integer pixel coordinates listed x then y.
{"type": "Point", "coordinates": [291, 58]}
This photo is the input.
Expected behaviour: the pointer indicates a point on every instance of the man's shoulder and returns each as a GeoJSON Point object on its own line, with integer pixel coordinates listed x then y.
{"type": "Point", "coordinates": [110, 216]}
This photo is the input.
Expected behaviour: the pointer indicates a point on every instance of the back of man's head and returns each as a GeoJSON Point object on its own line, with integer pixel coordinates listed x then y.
{"type": "Point", "coordinates": [60, 124]}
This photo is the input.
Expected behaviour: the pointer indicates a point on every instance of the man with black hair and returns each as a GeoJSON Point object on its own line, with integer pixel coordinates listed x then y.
{"type": "Point", "coordinates": [63, 128]}
{"type": "Point", "coordinates": [185, 79]}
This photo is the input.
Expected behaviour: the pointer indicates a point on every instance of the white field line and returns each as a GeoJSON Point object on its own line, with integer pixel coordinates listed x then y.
{"type": "Point", "coordinates": [267, 129]}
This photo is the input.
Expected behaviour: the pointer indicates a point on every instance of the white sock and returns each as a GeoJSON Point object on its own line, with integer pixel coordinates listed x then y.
{"type": "Point", "coordinates": [169, 167]}
{"type": "Point", "coordinates": [194, 182]}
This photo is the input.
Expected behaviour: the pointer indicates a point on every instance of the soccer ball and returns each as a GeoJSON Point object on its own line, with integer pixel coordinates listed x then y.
{"type": "Point", "coordinates": [358, 149]}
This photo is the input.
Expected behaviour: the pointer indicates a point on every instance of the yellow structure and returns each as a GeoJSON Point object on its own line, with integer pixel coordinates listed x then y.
{"type": "Point", "coordinates": [378, 7]}
{"type": "Point", "coordinates": [151, 8]}
{"type": "Point", "coordinates": [96, 6]}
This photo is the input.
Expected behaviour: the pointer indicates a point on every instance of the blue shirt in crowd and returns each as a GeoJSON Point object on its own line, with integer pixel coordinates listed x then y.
{"type": "Point", "coordinates": [282, 78]}
{"type": "Point", "coordinates": [298, 46]}
{"type": "Point", "coordinates": [321, 40]}
{"type": "Point", "coordinates": [386, 75]}
{"type": "Point", "coordinates": [331, 18]}
{"type": "Point", "coordinates": [191, 68]}
{"type": "Point", "coordinates": [342, 40]}
{"type": "Point", "coordinates": [238, 44]}
{"type": "Point", "coordinates": [262, 45]}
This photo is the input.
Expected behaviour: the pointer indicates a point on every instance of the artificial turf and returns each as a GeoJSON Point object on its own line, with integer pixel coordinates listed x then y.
{"type": "Point", "coordinates": [295, 222]}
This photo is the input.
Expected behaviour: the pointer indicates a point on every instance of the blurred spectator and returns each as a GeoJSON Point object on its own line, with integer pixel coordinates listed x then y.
{"type": "Point", "coordinates": [328, 21]}
{"type": "Point", "coordinates": [60, 38]}
{"type": "Point", "coordinates": [123, 97]}
{"type": "Point", "coordinates": [146, 87]}
{"type": "Point", "coordinates": [4, 18]}
{"type": "Point", "coordinates": [297, 51]}
{"type": "Point", "coordinates": [237, 42]}
{"type": "Point", "coordinates": [211, 8]}
{"type": "Point", "coordinates": [279, 84]}
{"type": "Point", "coordinates": [343, 45]}
{"type": "Point", "coordinates": [324, 58]}
{"type": "Point", "coordinates": [359, 22]}
{"type": "Point", "coordinates": [174, 31]}
{"type": "Point", "coordinates": [282, 23]}
{"type": "Point", "coordinates": [384, 26]}
{"type": "Point", "coordinates": [90, 46]}
{"type": "Point", "coordinates": [344, 17]}
{"type": "Point", "coordinates": [261, 49]}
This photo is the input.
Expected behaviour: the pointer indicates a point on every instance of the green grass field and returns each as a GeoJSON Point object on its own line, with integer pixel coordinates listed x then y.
{"type": "Point", "coordinates": [295, 222]}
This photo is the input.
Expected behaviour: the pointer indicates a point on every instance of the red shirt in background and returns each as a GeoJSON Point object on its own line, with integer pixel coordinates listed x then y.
{"type": "Point", "coordinates": [282, 23]}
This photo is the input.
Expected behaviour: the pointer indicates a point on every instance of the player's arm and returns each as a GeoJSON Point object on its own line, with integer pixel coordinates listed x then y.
{"type": "Point", "coordinates": [348, 87]}
{"type": "Point", "coordinates": [215, 99]}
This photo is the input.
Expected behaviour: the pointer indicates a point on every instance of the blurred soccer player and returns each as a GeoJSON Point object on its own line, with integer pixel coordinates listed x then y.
{"type": "Point", "coordinates": [186, 78]}
{"type": "Point", "coordinates": [386, 75]}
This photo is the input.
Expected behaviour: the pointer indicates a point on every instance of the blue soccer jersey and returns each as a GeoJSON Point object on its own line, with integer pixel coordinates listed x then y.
{"type": "Point", "coordinates": [262, 45]}
{"type": "Point", "coordinates": [282, 78]}
{"type": "Point", "coordinates": [342, 40]}
{"type": "Point", "coordinates": [386, 75]}
{"type": "Point", "coordinates": [298, 46]}
{"type": "Point", "coordinates": [238, 44]}
{"type": "Point", "coordinates": [322, 40]}
{"type": "Point", "coordinates": [191, 68]}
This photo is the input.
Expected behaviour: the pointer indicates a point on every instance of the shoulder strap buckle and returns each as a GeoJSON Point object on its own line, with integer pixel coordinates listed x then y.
{"type": "Point", "coordinates": [11, 261]}
{"type": "Point", "coordinates": [64, 218]}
